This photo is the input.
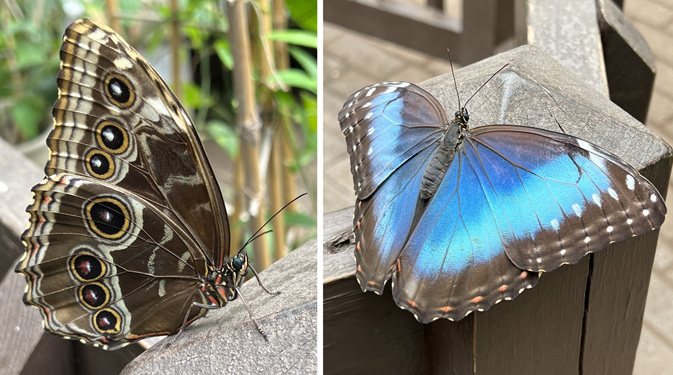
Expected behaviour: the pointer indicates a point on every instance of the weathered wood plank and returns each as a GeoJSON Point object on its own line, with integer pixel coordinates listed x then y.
{"type": "Point", "coordinates": [21, 333]}
{"type": "Point", "coordinates": [629, 63]}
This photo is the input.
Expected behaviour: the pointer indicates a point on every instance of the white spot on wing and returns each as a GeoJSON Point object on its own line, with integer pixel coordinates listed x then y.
{"type": "Point", "coordinates": [555, 224]}
{"type": "Point", "coordinates": [123, 63]}
{"type": "Point", "coordinates": [370, 131]}
{"type": "Point", "coordinates": [646, 212]}
{"type": "Point", "coordinates": [630, 182]}
{"type": "Point", "coordinates": [586, 239]}
{"type": "Point", "coordinates": [563, 252]}
{"type": "Point", "coordinates": [629, 221]}
{"type": "Point", "coordinates": [368, 116]}
{"type": "Point", "coordinates": [613, 194]}
{"type": "Point", "coordinates": [577, 209]}
{"type": "Point", "coordinates": [653, 197]}
{"type": "Point", "coordinates": [596, 199]}
{"type": "Point", "coordinates": [609, 229]}
{"type": "Point", "coordinates": [369, 152]}
{"type": "Point", "coordinates": [371, 91]}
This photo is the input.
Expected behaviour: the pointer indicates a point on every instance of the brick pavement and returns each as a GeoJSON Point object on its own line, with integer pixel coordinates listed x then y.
{"type": "Point", "coordinates": [371, 60]}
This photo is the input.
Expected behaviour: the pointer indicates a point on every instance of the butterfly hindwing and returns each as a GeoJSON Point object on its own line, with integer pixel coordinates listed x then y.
{"type": "Point", "coordinates": [83, 286]}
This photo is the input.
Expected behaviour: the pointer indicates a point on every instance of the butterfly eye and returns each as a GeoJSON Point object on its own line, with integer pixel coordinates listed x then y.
{"type": "Point", "coordinates": [237, 263]}
{"type": "Point", "coordinates": [466, 117]}
{"type": "Point", "coordinates": [456, 114]}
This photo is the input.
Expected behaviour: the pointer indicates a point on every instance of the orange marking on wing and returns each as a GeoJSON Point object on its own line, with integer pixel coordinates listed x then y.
{"type": "Point", "coordinates": [477, 299]}
{"type": "Point", "coordinates": [446, 309]}
{"type": "Point", "coordinates": [357, 246]}
{"type": "Point", "coordinates": [503, 288]}
{"type": "Point", "coordinates": [524, 274]}
{"type": "Point", "coordinates": [412, 303]}
{"type": "Point", "coordinates": [359, 268]}
{"type": "Point", "coordinates": [358, 224]}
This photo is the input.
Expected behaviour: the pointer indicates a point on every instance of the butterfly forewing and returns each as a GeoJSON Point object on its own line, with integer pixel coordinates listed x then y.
{"type": "Point", "coordinates": [374, 119]}
{"type": "Point", "coordinates": [514, 201]}
{"type": "Point", "coordinates": [557, 198]}
{"type": "Point", "coordinates": [116, 120]}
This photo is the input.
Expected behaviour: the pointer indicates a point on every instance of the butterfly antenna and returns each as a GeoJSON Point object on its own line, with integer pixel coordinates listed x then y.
{"type": "Point", "coordinates": [455, 84]}
{"type": "Point", "coordinates": [484, 84]}
{"type": "Point", "coordinates": [255, 235]}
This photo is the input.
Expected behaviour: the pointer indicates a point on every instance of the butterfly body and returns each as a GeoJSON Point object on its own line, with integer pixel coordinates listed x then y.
{"type": "Point", "coordinates": [462, 218]}
{"type": "Point", "coordinates": [128, 235]}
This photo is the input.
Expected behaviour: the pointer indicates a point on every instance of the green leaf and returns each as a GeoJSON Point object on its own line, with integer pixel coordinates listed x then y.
{"type": "Point", "coordinates": [27, 55]}
{"type": "Point", "coordinates": [225, 136]}
{"type": "Point", "coordinates": [224, 53]}
{"type": "Point", "coordinates": [298, 218]}
{"type": "Point", "coordinates": [306, 60]}
{"type": "Point", "coordinates": [304, 13]}
{"type": "Point", "coordinates": [27, 113]}
{"type": "Point", "coordinates": [299, 78]}
{"type": "Point", "coordinates": [297, 37]}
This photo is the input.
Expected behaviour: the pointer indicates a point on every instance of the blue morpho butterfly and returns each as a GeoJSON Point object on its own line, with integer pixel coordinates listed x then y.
{"type": "Point", "coordinates": [461, 218]}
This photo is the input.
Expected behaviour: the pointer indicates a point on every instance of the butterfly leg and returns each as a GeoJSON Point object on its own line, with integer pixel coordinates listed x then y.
{"type": "Point", "coordinates": [260, 283]}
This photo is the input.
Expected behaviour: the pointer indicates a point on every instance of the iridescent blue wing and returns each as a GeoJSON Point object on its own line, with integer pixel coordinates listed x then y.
{"type": "Point", "coordinates": [542, 198]}
{"type": "Point", "coordinates": [514, 201]}
{"type": "Point", "coordinates": [555, 197]}
{"type": "Point", "coordinates": [386, 125]}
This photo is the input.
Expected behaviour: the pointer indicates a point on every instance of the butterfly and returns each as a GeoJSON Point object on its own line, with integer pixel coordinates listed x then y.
{"type": "Point", "coordinates": [461, 219]}
{"type": "Point", "coordinates": [128, 235]}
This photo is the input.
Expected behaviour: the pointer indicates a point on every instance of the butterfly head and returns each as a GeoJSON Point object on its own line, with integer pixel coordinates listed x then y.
{"type": "Point", "coordinates": [221, 284]}
{"type": "Point", "coordinates": [462, 117]}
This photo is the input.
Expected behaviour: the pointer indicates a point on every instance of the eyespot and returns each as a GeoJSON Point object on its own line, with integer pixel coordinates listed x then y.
{"type": "Point", "coordinates": [86, 267]}
{"type": "Point", "coordinates": [99, 164]}
{"type": "Point", "coordinates": [119, 90]}
{"type": "Point", "coordinates": [107, 217]}
{"type": "Point", "coordinates": [112, 137]}
{"type": "Point", "coordinates": [107, 321]}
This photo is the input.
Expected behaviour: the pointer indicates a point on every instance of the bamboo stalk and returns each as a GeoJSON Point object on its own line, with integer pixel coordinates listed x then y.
{"type": "Point", "coordinates": [175, 48]}
{"type": "Point", "coordinates": [248, 123]}
{"type": "Point", "coordinates": [112, 11]}
{"type": "Point", "coordinates": [282, 60]}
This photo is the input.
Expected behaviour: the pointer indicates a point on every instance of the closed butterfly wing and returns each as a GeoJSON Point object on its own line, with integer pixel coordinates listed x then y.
{"type": "Point", "coordinates": [129, 221]}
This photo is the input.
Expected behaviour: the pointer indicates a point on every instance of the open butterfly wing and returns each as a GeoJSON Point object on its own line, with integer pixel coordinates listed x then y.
{"type": "Point", "coordinates": [556, 198]}
{"type": "Point", "coordinates": [389, 145]}
{"type": "Point", "coordinates": [454, 262]}
{"type": "Point", "coordinates": [514, 201]}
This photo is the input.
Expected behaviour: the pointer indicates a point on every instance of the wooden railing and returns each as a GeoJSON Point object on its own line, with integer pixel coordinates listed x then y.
{"type": "Point", "coordinates": [584, 318]}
